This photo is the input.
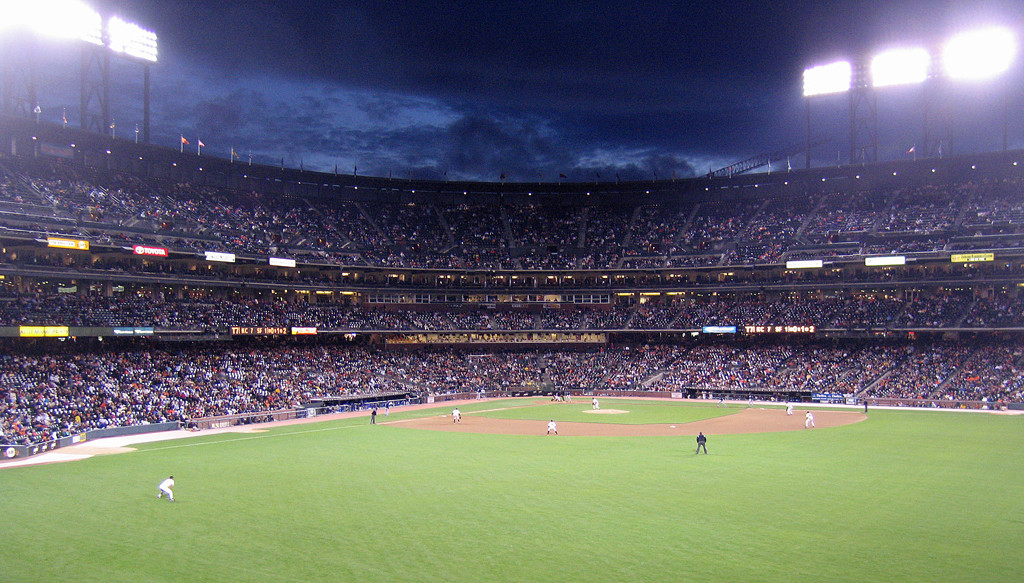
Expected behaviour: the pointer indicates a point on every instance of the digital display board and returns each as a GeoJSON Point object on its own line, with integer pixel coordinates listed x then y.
{"type": "Point", "coordinates": [259, 330]}
{"type": "Point", "coordinates": [150, 251]}
{"type": "Point", "coordinates": [804, 264]}
{"type": "Point", "coordinates": [62, 243]}
{"type": "Point", "coordinates": [218, 256]}
{"type": "Point", "coordinates": [971, 257]}
{"type": "Point", "coordinates": [878, 261]}
{"type": "Point", "coordinates": [42, 331]}
{"type": "Point", "coordinates": [133, 331]}
{"type": "Point", "coordinates": [785, 329]}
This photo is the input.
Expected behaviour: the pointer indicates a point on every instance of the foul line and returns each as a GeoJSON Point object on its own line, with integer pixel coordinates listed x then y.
{"type": "Point", "coordinates": [247, 438]}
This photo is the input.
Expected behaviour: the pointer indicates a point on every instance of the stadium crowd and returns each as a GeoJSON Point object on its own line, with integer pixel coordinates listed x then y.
{"type": "Point", "coordinates": [58, 389]}
{"type": "Point", "coordinates": [119, 210]}
{"type": "Point", "coordinates": [69, 389]}
{"type": "Point", "coordinates": [219, 313]}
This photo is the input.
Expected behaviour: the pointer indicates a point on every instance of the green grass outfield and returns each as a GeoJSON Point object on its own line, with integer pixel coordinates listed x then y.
{"type": "Point", "coordinates": [904, 496]}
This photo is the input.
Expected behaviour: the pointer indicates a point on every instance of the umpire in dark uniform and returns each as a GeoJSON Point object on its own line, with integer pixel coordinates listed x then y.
{"type": "Point", "coordinates": [701, 442]}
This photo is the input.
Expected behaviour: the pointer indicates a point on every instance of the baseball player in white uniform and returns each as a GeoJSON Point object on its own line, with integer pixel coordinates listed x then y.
{"type": "Point", "coordinates": [552, 427]}
{"type": "Point", "coordinates": [808, 420]}
{"type": "Point", "coordinates": [165, 488]}
{"type": "Point", "coordinates": [789, 408]}
{"type": "Point", "coordinates": [456, 415]}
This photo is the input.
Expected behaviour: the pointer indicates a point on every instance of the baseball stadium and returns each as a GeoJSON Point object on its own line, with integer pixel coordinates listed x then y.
{"type": "Point", "coordinates": [223, 371]}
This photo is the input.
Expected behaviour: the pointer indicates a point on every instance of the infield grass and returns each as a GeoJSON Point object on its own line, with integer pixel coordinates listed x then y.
{"type": "Point", "coordinates": [904, 496]}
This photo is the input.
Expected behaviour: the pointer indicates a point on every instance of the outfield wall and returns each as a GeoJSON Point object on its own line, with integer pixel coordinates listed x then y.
{"type": "Point", "coordinates": [19, 451]}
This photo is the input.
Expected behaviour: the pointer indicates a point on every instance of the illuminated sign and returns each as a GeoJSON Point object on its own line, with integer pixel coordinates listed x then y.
{"type": "Point", "coordinates": [282, 262]}
{"type": "Point", "coordinates": [804, 264]}
{"type": "Point", "coordinates": [719, 329]}
{"type": "Point", "coordinates": [303, 330]}
{"type": "Point", "coordinates": [222, 257]}
{"type": "Point", "coordinates": [779, 329]}
{"type": "Point", "coordinates": [152, 251]}
{"type": "Point", "coordinates": [877, 261]}
{"type": "Point", "coordinates": [971, 257]}
{"type": "Point", "coordinates": [133, 331]}
{"type": "Point", "coordinates": [42, 331]}
{"type": "Point", "coordinates": [67, 243]}
{"type": "Point", "coordinates": [260, 330]}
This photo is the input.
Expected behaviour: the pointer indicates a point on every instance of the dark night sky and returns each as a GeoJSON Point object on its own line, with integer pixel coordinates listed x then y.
{"type": "Point", "coordinates": [533, 89]}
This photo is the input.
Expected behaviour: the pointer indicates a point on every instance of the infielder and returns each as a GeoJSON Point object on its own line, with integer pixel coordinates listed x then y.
{"type": "Point", "coordinates": [165, 488]}
{"type": "Point", "coordinates": [808, 420]}
{"type": "Point", "coordinates": [789, 408]}
{"type": "Point", "coordinates": [596, 404]}
{"type": "Point", "coordinates": [456, 415]}
{"type": "Point", "coordinates": [552, 427]}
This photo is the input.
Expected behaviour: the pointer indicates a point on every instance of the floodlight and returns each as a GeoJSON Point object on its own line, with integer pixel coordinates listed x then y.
{"type": "Point", "coordinates": [979, 54]}
{"type": "Point", "coordinates": [899, 67]}
{"type": "Point", "coordinates": [131, 39]}
{"type": "Point", "coordinates": [832, 78]}
{"type": "Point", "coordinates": [57, 18]}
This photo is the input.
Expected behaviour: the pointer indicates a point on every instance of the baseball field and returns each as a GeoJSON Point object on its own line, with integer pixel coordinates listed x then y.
{"type": "Point", "coordinates": [894, 495]}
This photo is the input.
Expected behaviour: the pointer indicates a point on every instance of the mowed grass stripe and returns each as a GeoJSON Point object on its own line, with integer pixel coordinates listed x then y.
{"type": "Point", "coordinates": [902, 496]}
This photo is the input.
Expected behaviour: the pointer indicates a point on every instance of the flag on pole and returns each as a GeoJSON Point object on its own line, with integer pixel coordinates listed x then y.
{"type": "Point", "coordinates": [199, 147]}
{"type": "Point", "coordinates": [184, 143]}
{"type": "Point", "coordinates": [64, 116]}
{"type": "Point", "coordinates": [912, 149]}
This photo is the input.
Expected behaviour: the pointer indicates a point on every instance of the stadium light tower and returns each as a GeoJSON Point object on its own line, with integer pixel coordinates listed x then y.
{"type": "Point", "coordinates": [850, 78]}
{"type": "Point", "coordinates": [980, 54]}
{"type": "Point", "coordinates": [899, 67]}
{"type": "Point", "coordinates": [969, 58]}
{"type": "Point", "coordinates": [824, 80]}
{"type": "Point", "coordinates": [22, 21]}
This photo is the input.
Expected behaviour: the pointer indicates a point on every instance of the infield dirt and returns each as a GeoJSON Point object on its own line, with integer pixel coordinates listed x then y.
{"type": "Point", "coordinates": [743, 421]}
